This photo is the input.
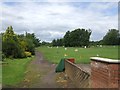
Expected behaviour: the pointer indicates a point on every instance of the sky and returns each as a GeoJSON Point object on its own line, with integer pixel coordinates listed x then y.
{"type": "Point", "coordinates": [52, 19]}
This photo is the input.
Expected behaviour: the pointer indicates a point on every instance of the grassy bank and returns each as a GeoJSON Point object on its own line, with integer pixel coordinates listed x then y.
{"type": "Point", "coordinates": [13, 71]}
{"type": "Point", "coordinates": [81, 56]}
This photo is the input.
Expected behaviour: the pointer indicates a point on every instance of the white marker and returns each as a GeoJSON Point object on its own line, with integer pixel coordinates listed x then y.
{"type": "Point", "coordinates": [76, 50]}
{"type": "Point", "coordinates": [65, 48]}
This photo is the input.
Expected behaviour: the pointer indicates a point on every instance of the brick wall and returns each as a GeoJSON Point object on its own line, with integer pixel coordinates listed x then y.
{"type": "Point", "coordinates": [105, 73]}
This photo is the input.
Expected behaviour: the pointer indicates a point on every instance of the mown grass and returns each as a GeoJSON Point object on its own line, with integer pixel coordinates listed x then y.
{"type": "Point", "coordinates": [83, 55]}
{"type": "Point", "coordinates": [0, 73]}
{"type": "Point", "coordinates": [13, 71]}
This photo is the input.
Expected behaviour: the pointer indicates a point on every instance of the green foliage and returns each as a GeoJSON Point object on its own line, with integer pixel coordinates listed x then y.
{"type": "Point", "coordinates": [35, 41]}
{"type": "Point", "coordinates": [44, 43]}
{"type": "Point", "coordinates": [28, 54]}
{"type": "Point", "coordinates": [76, 38]}
{"type": "Point", "coordinates": [3, 56]}
{"type": "Point", "coordinates": [112, 37]}
{"type": "Point", "coordinates": [10, 44]}
{"type": "Point", "coordinates": [67, 39]}
{"type": "Point", "coordinates": [95, 43]}
{"type": "Point", "coordinates": [54, 43]}
{"type": "Point", "coordinates": [27, 44]}
{"type": "Point", "coordinates": [30, 46]}
{"type": "Point", "coordinates": [58, 42]}
{"type": "Point", "coordinates": [15, 45]}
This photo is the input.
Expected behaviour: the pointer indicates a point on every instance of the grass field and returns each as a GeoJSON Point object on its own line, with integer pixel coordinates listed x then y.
{"type": "Point", "coordinates": [13, 71]}
{"type": "Point", "coordinates": [0, 73]}
{"type": "Point", "coordinates": [83, 55]}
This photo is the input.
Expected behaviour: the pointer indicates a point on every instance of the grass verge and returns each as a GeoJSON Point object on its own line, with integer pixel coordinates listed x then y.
{"type": "Point", "coordinates": [13, 71]}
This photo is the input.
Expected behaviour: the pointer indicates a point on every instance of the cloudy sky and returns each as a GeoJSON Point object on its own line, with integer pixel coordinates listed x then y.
{"type": "Point", "coordinates": [49, 19]}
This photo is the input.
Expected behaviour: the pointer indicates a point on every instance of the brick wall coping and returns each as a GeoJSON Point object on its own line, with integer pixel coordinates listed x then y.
{"type": "Point", "coordinates": [104, 60]}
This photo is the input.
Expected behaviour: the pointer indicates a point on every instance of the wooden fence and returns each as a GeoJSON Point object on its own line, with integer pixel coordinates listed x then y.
{"type": "Point", "coordinates": [78, 76]}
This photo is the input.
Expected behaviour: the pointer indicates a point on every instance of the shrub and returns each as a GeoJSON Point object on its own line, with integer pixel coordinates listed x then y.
{"type": "Point", "coordinates": [11, 45]}
{"type": "Point", "coordinates": [27, 54]}
{"type": "Point", "coordinates": [30, 46]}
{"type": "Point", "coordinates": [3, 56]}
{"type": "Point", "coordinates": [14, 46]}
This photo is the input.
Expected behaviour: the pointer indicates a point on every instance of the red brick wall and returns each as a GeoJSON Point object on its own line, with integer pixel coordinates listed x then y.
{"type": "Point", "coordinates": [105, 74]}
{"type": "Point", "coordinates": [114, 80]}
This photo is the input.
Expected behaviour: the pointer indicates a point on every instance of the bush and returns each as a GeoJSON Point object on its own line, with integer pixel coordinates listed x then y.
{"type": "Point", "coordinates": [3, 56]}
{"type": "Point", "coordinates": [14, 46]}
{"type": "Point", "coordinates": [27, 54]}
{"type": "Point", "coordinates": [30, 46]}
{"type": "Point", "coordinates": [11, 45]}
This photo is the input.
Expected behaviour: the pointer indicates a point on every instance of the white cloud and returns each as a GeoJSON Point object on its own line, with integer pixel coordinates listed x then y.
{"type": "Point", "coordinates": [51, 20]}
{"type": "Point", "coordinates": [101, 6]}
{"type": "Point", "coordinates": [60, 0]}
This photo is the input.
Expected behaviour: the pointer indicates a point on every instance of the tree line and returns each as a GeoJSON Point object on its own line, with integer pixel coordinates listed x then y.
{"type": "Point", "coordinates": [76, 38]}
{"type": "Point", "coordinates": [18, 46]}
{"type": "Point", "coordinates": [80, 37]}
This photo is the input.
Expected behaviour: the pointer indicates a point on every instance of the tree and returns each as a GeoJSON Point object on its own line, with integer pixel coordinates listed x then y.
{"type": "Point", "coordinates": [27, 43]}
{"type": "Point", "coordinates": [67, 39]}
{"type": "Point", "coordinates": [54, 42]}
{"type": "Point", "coordinates": [58, 42]}
{"type": "Point", "coordinates": [35, 40]}
{"type": "Point", "coordinates": [30, 47]}
{"type": "Point", "coordinates": [44, 43]}
{"type": "Point", "coordinates": [112, 37]}
{"type": "Point", "coordinates": [18, 46]}
{"type": "Point", "coordinates": [10, 44]}
{"type": "Point", "coordinates": [95, 43]}
{"type": "Point", "coordinates": [78, 37]}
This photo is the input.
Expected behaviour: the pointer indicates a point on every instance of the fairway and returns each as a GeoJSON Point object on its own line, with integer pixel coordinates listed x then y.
{"type": "Point", "coordinates": [81, 55]}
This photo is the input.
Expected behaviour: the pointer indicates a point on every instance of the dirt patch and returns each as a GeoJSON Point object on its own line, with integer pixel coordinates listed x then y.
{"type": "Point", "coordinates": [40, 74]}
{"type": "Point", "coordinates": [64, 81]}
